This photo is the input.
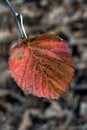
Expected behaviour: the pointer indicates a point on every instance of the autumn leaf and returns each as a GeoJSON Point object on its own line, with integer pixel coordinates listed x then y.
{"type": "Point", "coordinates": [42, 65]}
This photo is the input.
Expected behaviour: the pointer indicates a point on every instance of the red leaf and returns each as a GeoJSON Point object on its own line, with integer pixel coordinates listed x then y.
{"type": "Point", "coordinates": [42, 65]}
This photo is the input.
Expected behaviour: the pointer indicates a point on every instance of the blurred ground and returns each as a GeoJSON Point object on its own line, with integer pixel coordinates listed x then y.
{"type": "Point", "coordinates": [67, 18]}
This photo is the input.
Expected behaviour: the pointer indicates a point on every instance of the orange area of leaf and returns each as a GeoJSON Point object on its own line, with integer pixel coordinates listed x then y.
{"type": "Point", "coordinates": [42, 65]}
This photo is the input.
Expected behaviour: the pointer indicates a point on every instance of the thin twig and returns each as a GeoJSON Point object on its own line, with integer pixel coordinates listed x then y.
{"type": "Point", "coordinates": [19, 20]}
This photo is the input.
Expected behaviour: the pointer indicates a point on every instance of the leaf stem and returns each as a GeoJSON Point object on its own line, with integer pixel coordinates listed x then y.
{"type": "Point", "coordinates": [19, 20]}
